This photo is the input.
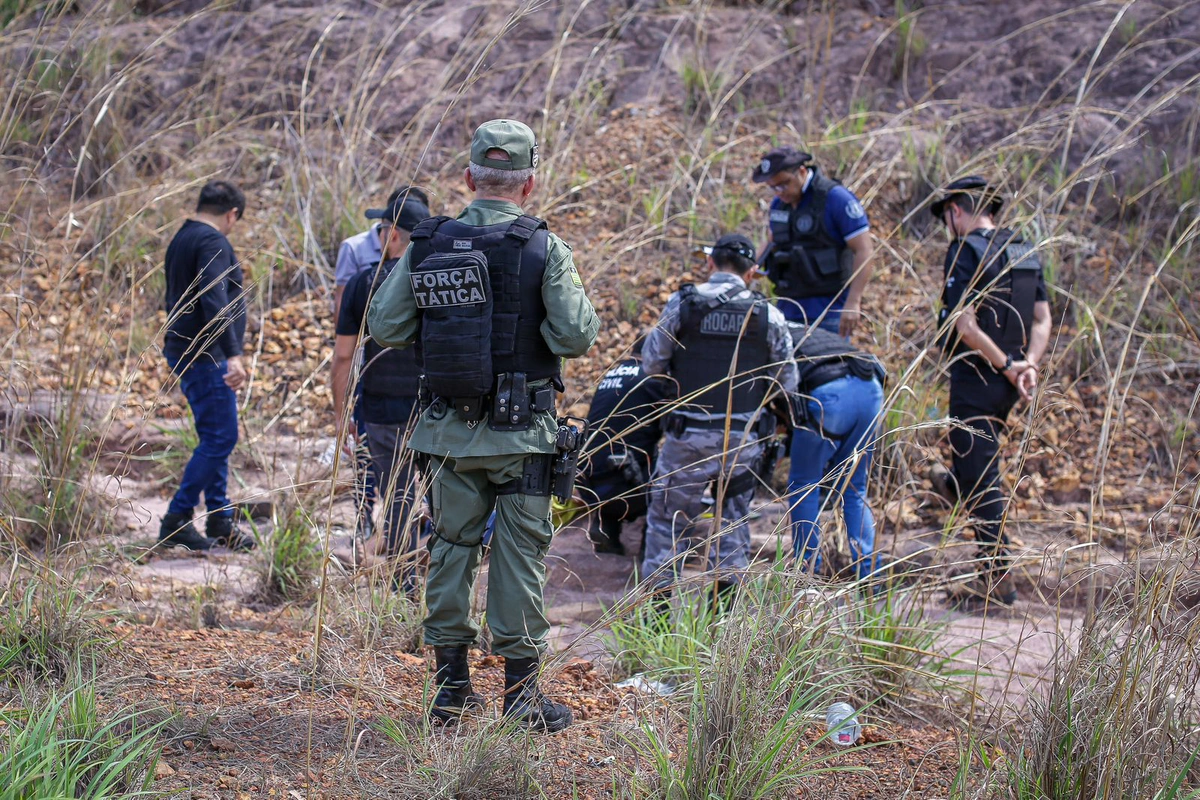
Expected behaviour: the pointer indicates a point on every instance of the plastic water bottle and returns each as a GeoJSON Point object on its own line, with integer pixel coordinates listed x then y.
{"type": "Point", "coordinates": [326, 457]}
{"type": "Point", "coordinates": [842, 725]}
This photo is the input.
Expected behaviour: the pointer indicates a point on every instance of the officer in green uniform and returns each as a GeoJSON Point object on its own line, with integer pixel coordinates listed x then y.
{"type": "Point", "coordinates": [494, 302]}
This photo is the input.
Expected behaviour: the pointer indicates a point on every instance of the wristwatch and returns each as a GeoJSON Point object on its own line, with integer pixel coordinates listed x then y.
{"type": "Point", "coordinates": [1008, 363]}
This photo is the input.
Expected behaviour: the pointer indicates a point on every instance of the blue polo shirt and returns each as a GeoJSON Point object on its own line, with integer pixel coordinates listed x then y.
{"type": "Point", "coordinates": [361, 251]}
{"type": "Point", "coordinates": [846, 218]}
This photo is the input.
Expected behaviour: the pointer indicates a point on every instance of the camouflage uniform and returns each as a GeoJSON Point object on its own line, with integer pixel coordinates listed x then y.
{"type": "Point", "coordinates": [694, 458]}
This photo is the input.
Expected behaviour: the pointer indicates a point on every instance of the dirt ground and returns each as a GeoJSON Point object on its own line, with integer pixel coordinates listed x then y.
{"type": "Point", "coordinates": [258, 717]}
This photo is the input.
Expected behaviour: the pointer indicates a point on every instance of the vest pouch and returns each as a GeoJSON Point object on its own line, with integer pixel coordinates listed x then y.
{"type": "Point", "coordinates": [814, 273]}
{"type": "Point", "coordinates": [803, 269]}
{"type": "Point", "coordinates": [453, 292]}
{"type": "Point", "coordinates": [511, 406]}
{"type": "Point", "coordinates": [779, 265]}
{"type": "Point", "coordinates": [828, 264]}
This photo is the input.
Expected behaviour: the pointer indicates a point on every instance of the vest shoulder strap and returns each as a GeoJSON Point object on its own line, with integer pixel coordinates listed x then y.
{"type": "Point", "coordinates": [421, 244]}
{"type": "Point", "coordinates": [382, 272]}
{"type": "Point", "coordinates": [984, 246]}
{"type": "Point", "coordinates": [524, 227]}
{"type": "Point", "coordinates": [426, 227]}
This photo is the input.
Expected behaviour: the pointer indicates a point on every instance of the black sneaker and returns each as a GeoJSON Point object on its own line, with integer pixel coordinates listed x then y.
{"type": "Point", "coordinates": [224, 532]}
{"type": "Point", "coordinates": [177, 530]}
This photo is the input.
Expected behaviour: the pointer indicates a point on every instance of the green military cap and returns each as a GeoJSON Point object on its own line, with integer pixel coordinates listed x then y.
{"type": "Point", "coordinates": [514, 138]}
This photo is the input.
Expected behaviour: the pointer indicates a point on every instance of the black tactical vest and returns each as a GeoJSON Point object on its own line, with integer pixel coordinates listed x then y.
{"type": "Point", "coordinates": [807, 260]}
{"type": "Point", "coordinates": [823, 356]}
{"type": "Point", "coordinates": [1007, 280]}
{"type": "Point", "coordinates": [479, 290]}
{"type": "Point", "coordinates": [388, 371]}
{"type": "Point", "coordinates": [710, 337]}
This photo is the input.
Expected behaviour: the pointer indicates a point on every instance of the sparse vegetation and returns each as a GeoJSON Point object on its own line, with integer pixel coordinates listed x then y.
{"type": "Point", "coordinates": [650, 116]}
{"type": "Point", "coordinates": [60, 745]}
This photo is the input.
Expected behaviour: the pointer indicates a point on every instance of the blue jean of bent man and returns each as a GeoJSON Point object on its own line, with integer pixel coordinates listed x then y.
{"type": "Point", "coordinates": [214, 407]}
{"type": "Point", "coordinates": [847, 409]}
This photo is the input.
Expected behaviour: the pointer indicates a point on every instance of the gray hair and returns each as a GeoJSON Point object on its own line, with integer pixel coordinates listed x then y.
{"type": "Point", "coordinates": [498, 181]}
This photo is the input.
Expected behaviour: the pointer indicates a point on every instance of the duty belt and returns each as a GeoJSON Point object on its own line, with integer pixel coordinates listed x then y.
{"type": "Point", "coordinates": [825, 373]}
{"type": "Point", "coordinates": [473, 409]}
{"type": "Point", "coordinates": [677, 424]}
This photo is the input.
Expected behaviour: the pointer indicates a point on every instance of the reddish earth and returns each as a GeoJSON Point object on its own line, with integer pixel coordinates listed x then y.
{"type": "Point", "coordinates": [257, 720]}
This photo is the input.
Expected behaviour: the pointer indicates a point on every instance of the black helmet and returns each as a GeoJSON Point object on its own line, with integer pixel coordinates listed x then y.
{"type": "Point", "coordinates": [973, 185]}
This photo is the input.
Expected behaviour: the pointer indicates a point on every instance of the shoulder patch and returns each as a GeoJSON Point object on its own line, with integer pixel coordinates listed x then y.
{"type": "Point", "coordinates": [854, 210]}
{"type": "Point", "coordinates": [575, 279]}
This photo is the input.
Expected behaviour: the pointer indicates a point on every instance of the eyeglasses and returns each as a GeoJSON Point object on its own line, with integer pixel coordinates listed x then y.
{"type": "Point", "coordinates": [780, 185]}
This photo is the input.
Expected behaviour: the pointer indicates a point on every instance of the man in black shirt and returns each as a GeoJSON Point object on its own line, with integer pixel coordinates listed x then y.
{"type": "Point", "coordinates": [389, 384]}
{"type": "Point", "coordinates": [995, 318]}
{"type": "Point", "coordinates": [626, 416]}
{"type": "Point", "coordinates": [206, 325]}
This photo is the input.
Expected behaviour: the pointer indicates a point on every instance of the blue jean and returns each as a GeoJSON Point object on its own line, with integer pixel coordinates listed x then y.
{"type": "Point", "coordinates": [847, 410]}
{"type": "Point", "coordinates": [214, 408]}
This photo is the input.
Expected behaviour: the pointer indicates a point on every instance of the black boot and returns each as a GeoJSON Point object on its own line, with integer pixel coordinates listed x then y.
{"type": "Point", "coordinates": [224, 532]}
{"type": "Point", "coordinates": [723, 597]}
{"type": "Point", "coordinates": [524, 701]}
{"type": "Point", "coordinates": [455, 695]}
{"type": "Point", "coordinates": [657, 609]}
{"type": "Point", "coordinates": [603, 538]}
{"type": "Point", "coordinates": [177, 530]}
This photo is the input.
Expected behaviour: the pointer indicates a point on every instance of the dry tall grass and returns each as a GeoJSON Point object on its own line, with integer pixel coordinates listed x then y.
{"type": "Point", "coordinates": [649, 114]}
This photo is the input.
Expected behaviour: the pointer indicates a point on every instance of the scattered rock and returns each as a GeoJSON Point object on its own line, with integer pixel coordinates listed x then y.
{"type": "Point", "coordinates": [222, 744]}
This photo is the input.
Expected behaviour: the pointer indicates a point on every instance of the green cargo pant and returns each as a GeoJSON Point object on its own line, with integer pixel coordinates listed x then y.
{"type": "Point", "coordinates": [464, 494]}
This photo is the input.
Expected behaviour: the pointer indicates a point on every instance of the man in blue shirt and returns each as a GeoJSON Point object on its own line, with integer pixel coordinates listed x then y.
{"type": "Point", "coordinates": [819, 246]}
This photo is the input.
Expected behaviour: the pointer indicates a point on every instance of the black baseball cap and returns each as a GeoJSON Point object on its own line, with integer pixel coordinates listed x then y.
{"type": "Point", "coordinates": [406, 208]}
{"type": "Point", "coordinates": [778, 160]}
{"type": "Point", "coordinates": [974, 185]}
{"type": "Point", "coordinates": [735, 243]}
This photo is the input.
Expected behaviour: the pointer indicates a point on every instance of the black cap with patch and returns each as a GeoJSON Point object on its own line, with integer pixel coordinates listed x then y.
{"type": "Point", "coordinates": [734, 243]}
{"type": "Point", "coordinates": [974, 185]}
{"type": "Point", "coordinates": [778, 160]}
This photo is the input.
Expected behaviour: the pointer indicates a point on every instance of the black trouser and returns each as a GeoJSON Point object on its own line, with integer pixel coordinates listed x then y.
{"type": "Point", "coordinates": [981, 399]}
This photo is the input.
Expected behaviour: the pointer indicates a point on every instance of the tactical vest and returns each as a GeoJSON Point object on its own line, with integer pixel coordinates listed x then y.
{"type": "Point", "coordinates": [388, 371]}
{"type": "Point", "coordinates": [807, 259]}
{"type": "Point", "coordinates": [1007, 279]}
{"type": "Point", "coordinates": [710, 338]}
{"type": "Point", "coordinates": [479, 291]}
{"type": "Point", "coordinates": [823, 356]}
